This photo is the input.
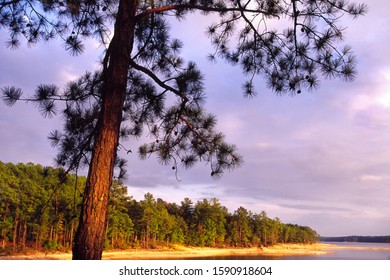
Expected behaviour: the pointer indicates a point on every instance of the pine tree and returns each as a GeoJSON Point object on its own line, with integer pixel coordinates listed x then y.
{"type": "Point", "coordinates": [142, 68]}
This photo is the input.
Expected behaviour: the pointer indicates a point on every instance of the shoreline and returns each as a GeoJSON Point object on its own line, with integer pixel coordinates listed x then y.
{"type": "Point", "coordinates": [179, 252]}
{"type": "Point", "coordinates": [185, 252]}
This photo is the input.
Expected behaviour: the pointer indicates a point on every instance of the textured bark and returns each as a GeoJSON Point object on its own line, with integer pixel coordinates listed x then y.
{"type": "Point", "coordinates": [90, 235]}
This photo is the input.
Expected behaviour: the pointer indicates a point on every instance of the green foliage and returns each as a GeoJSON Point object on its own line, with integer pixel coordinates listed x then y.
{"type": "Point", "coordinates": [210, 224]}
{"type": "Point", "coordinates": [39, 206]}
{"type": "Point", "coordinates": [239, 226]}
{"type": "Point", "coordinates": [37, 210]}
{"type": "Point", "coordinates": [52, 245]}
{"type": "Point", "coordinates": [120, 225]}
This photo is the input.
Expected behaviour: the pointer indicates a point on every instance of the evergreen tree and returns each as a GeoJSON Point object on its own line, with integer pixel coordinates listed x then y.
{"type": "Point", "coordinates": [120, 225]}
{"type": "Point", "coordinates": [142, 67]}
{"type": "Point", "coordinates": [150, 220]}
{"type": "Point", "coordinates": [208, 224]}
{"type": "Point", "coordinates": [187, 210]}
{"type": "Point", "coordinates": [239, 227]}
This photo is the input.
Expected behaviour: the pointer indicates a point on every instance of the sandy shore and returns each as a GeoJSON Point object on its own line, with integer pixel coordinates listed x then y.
{"type": "Point", "coordinates": [182, 252]}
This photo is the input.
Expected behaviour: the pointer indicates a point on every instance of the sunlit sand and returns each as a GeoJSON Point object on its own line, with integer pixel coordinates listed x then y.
{"type": "Point", "coordinates": [183, 252]}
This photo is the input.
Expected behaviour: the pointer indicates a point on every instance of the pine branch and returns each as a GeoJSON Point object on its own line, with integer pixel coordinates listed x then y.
{"type": "Point", "coordinates": [157, 80]}
{"type": "Point", "coordinates": [11, 95]}
{"type": "Point", "coordinates": [6, 3]}
{"type": "Point", "coordinates": [194, 7]}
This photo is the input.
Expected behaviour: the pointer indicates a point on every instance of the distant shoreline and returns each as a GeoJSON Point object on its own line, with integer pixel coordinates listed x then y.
{"type": "Point", "coordinates": [357, 238]}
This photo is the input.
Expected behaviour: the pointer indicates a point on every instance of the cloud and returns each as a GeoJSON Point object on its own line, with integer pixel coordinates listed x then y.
{"type": "Point", "coordinates": [264, 146]}
{"type": "Point", "coordinates": [373, 178]}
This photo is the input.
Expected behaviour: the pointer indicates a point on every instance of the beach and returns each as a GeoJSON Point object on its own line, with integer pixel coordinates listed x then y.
{"type": "Point", "coordinates": [185, 252]}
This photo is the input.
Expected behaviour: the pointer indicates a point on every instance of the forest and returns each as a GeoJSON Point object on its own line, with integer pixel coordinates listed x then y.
{"type": "Point", "coordinates": [40, 206]}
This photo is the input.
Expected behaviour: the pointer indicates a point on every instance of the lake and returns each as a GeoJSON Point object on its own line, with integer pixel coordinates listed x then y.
{"type": "Point", "coordinates": [353, 251]}
{"type": "Point", "coordinates": [343, 251]}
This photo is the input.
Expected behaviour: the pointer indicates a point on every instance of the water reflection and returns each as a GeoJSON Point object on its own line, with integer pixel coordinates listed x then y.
{"type": "Point", "coordinates": [343, 251]}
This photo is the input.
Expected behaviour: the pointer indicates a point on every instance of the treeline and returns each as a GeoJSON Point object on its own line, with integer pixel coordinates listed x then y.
{"type": "Point", "coordinates": [39, 208]}
{"type": "Point", "coordinates": [356, 238]}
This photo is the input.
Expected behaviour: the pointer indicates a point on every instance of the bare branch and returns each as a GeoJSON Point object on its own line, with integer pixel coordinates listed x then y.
{"type": "Point", "coordinates": [157, 80]}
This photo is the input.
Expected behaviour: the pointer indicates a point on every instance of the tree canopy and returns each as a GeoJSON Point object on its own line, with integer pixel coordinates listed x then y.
{"type": "Point", "coordinates": [291, 57]}
{"type": "Point", "coordinates": [144, 85]}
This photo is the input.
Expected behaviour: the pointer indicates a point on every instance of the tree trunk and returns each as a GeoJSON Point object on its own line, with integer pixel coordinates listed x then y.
{"type": "Point", "coordinates": [16, 223]}
{"type": "Point", "coordinates": [37, 237]}
{"type": "Point", "coordinates": [3, 232]}
{"type": "Point", "coordinates": [90, 235]}
{"type": "Point", "coordinates": [24, 236]}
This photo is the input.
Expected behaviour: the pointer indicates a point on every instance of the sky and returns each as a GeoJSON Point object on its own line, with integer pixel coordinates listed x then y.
{"type": "Point", "coordinates": [320, 159]}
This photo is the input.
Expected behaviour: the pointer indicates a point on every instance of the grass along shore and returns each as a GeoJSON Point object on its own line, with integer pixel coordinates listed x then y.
{"type": "Point", "coordinates": [184, 252]}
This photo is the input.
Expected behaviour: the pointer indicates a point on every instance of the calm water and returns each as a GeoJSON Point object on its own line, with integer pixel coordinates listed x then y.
{"type": "Point", "coordinates": [347, 252]}
{"type": "Point", "coordinates": [366, 251]}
